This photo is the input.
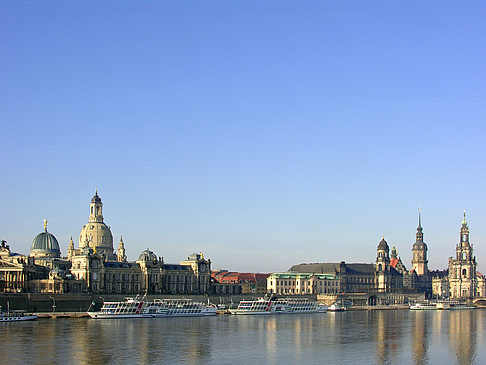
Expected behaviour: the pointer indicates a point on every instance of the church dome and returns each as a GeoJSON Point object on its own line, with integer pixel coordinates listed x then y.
{"type": "Point", "coordinates": [383, 245]}
{"type": "Point", "coordinates": [96, 234]}
{"type": "Point", "coordinates": [45, 244]}
{"type": "Point", "coordinates": [147, 255]}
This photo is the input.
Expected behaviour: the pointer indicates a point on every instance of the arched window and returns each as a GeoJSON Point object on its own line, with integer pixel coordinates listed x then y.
{"type": "Point", "coordinates": [464, 272]}
{"type": "Point", "coordinates": [379, 267]}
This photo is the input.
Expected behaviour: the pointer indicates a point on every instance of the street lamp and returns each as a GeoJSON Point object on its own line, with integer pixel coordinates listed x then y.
{"type": "Point", "coordinates": [53, 304]}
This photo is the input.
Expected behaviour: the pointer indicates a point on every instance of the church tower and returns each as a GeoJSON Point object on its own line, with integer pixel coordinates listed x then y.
{"type": "Point", "coordinates": [121, 255]}
{"type": "Point", "coordinates": [71, 251]}
{"type": "Point", "coordinates": [462, 271]}
{"type": "Point", "coordinates": [419, 252]}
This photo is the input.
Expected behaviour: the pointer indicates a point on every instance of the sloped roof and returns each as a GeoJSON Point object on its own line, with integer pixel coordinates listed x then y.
{"type": "Point", "coordinates": [320, 268]}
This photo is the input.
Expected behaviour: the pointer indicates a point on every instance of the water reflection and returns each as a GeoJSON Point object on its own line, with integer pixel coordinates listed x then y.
{"type": "Point", "coordinates": [462, 335]}
{"type": "Point", "coordinates": [375, 337]}
{"type": "Point", "coordinates": [420, 325]}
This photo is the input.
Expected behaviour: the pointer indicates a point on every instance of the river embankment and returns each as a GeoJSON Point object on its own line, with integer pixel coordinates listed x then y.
{"type": "Point", "coordinates": [79, 303]}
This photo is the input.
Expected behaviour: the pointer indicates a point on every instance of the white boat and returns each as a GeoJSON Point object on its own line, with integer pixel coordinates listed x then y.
{"type": "Point", "coordinates": [336, 307]}
{"type": "Point", "coordinates": [157, 308]}
{"type": "Point", "coordinates": [17, 316]}
{"type": "Point", "coordinates": [278, 306]}
{"type": "Point", "coordinates": [442, 305]}
{"type": "Point", "coordinates": [424, 306]}
{"type": "Point", "coordinates": [454, 305]}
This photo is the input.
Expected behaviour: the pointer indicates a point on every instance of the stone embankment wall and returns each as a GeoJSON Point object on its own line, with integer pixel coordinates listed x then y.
{"type": "Point", "coordinates": [81, 302]}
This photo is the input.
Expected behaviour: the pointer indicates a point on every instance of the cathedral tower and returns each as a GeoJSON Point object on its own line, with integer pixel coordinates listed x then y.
{"type": "Point", "coordinates": [462, 271]}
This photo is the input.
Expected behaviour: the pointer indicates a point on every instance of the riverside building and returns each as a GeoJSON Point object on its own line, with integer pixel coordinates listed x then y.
{"type": "Point", "coordinates": [95, 267]}
{"type": "Point", "coordinates": [384, 281]}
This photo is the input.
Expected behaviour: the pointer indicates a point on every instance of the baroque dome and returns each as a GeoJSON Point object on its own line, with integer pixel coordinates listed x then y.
{"type": "Point", "coordinates": [96, 234]}
{"type": "Point", "coordinates": [45, 244]}
{"type": "Point", "coordinates": [147, 255]}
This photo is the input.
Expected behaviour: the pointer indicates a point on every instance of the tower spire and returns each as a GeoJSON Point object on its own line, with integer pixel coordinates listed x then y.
{"type": "Point", "coordinates": [420, 218]}
{"type": "Point", "coordinates": [45, 225]}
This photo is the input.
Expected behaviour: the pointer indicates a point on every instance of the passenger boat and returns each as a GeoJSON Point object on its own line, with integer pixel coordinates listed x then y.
{"type": "Point", "coordinates": [423, 306]}
{"type": "Point", "coordinates": [157, 308]}
{"type": "Point", "coordinates": [454, 305]}
{"type": "Point", "coordinates": [17, 316]}
{"type": "Point", "coordinates": [442, 305]}
{"type": "Point", "coordinates": [273, 305]}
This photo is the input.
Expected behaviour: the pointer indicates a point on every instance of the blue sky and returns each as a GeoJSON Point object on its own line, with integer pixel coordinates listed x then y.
{"type": "Point", "coordinates": [263, 134]}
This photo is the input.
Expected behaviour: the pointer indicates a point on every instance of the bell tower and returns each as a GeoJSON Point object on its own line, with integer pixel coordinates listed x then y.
{"type": "Point", "coordinates": [419, 251]}
{"type": "Point", "coordinates": [463, 280]}
{"type": "Point", "coordinates": [464, 248]}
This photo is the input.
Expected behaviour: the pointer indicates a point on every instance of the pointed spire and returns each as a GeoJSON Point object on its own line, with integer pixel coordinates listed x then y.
{"type": "Point", "coordinates": [420, 218]}
{"type": "Point", "coordinates": [464, 222]}
{"type": "Point", "coordinates": [121, 238]}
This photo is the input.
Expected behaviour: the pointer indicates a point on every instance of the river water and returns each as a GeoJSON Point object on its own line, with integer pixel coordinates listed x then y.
{"type": "Point", "coordinates": [354, 337]}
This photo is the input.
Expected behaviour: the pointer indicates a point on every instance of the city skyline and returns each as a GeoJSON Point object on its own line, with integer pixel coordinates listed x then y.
{"type": "Point", "coordinates": [133, 254]}
{"type": "Point", "coordinates": [262, 134]}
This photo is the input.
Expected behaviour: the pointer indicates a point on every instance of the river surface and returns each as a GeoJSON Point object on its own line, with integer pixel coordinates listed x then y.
{"type": "Point", "coordinates": [354, 337]}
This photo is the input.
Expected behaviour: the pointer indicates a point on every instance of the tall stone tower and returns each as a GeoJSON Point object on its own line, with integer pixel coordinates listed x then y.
{"type": "Point", "coordinates": [419, 252]}
{"type": "Point", "coordinates": [121, 255]}
{"type": "Point", "coordinates": [462, 270]}
{"type": "Point", "coordinates": [382, 266]}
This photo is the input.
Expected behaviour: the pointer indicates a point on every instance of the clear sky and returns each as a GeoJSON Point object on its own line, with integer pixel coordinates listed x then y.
{"type": "Point", "coordinates": [262, 133]}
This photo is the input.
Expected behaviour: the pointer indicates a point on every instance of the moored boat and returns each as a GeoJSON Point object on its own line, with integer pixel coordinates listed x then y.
{"type": "Point", "coordinates": [157, 308]}
{"type": "Point", "coordinates": [336, 307]}
{"type": "Point", "coordinates": [423, 306]}
{"type": "Point", "coordinates": [17, 316]}
{"type": "Point", "coordinates": [273, 305]}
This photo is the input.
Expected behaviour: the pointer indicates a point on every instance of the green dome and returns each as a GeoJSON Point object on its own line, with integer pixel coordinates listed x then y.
{"type": "Point", "coordinates": [45, 244]}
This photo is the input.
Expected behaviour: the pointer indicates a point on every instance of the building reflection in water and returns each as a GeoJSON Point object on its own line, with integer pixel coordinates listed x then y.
{"type": "Point", "coordinates": [463, 335]}
{"type": "Point", "coordinates": [142, 341]}
{"type": "Point", "coordinates": [389, 327]}
{"type": "Point", "coordinates": [378, 337]}
{"type": "Point", "coordinates": [420, 336]}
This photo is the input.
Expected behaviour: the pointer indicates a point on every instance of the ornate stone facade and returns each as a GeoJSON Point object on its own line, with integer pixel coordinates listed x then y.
{"type": "Point", "coordinates": [464, 281]}
{"type": "Point", "coordinates": [94, 267]}
{"type": "Point", "coordinates": [387, 275]}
